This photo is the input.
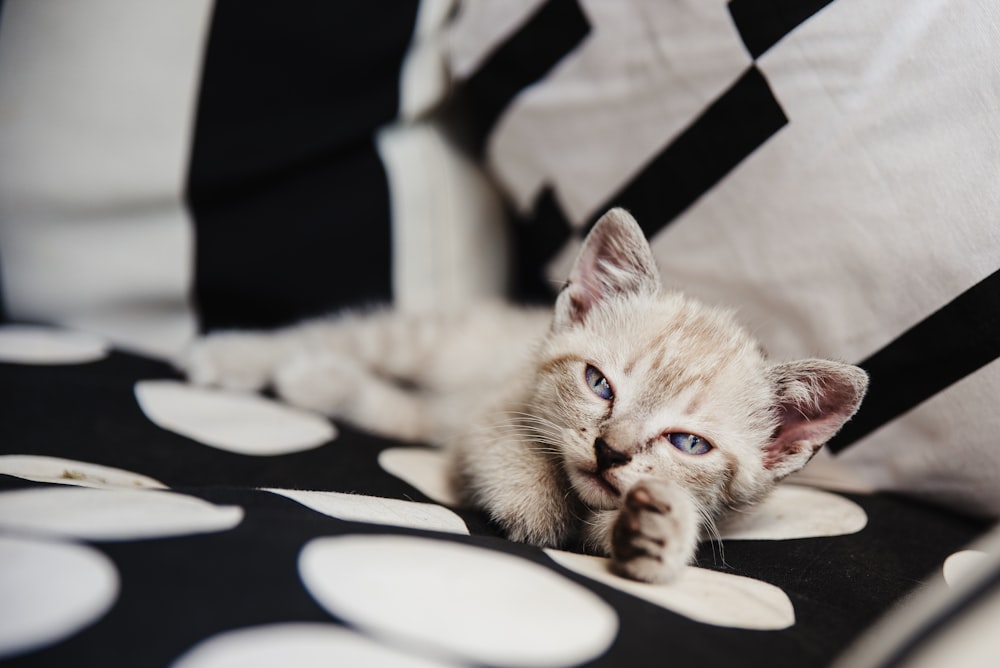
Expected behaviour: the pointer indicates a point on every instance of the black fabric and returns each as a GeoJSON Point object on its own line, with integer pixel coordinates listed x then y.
{"type": "Point", "coordinates": [553, 31]}
{"type": "Point", "coordinates": [762, 23]}
{"type": "Point", "coordinates": [178, 591]}
{"type": "Point", "coordinates": [284, 175]}
{"type": "Point", "coordinates": [955, 341]}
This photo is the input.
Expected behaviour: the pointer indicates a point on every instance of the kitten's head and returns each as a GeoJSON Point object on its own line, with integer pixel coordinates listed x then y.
{"type": "Point", "coordinates": [641, 382]}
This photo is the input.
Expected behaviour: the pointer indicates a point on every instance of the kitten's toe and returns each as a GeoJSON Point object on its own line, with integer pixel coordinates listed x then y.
{"type": "Point", "coordinates": [655, 533]}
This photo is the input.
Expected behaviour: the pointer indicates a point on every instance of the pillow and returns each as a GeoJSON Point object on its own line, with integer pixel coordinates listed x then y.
{"type": "Point", "coordinates": [176, 168]}
{"type": "Point", "coordinates": [828, 168]}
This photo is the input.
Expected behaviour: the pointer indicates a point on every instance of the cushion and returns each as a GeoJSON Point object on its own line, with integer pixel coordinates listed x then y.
{"type": "Point", "coordinates": [147, 522]}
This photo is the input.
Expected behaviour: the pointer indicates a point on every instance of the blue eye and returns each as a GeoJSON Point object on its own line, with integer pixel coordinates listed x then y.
{"type": "Point", "coordinates": [689, 443]}
{"type": "Point", "coordinates": [599, 384]}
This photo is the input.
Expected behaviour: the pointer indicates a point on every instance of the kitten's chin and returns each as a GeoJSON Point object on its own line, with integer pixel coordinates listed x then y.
{"type": "Point", "coordinates": [594, 490]}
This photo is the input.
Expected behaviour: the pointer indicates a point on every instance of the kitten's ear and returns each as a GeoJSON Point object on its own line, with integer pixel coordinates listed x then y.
{"type": "Point", "coordinates": [615, 260]}
{"type": "Point", "coordinates": [814, 400]}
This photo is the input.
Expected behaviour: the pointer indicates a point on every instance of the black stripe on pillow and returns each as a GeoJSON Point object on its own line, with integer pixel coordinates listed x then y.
{"type": "Point", "coordinates": [955, 341]}
{"type": "Point", "coordinates": [552, 32]}
{"type": "Point", "coordinates": [762, 23]}
{"type": "Point", "coordinates": [729, 130]}
{"type": "Point", "coordinates": [535, 240]}
{"type": "Point", "coordinates": [289, 198]}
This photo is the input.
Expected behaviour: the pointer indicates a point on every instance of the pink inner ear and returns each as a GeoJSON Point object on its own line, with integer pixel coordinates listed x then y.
{"type": "Point", "coordinates": [814, 400]}
{"type": "Point", "coordinates": [611, 263]}
{"type": "Point", "coordinates": [799, 438]}
{"type": "Point", "coordinates": [615, 259]}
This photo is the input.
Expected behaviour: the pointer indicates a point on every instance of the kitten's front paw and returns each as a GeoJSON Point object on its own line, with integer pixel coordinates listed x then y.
{"type": "Point", "coordinates": [233, 360]}
{"type": "Point", "coordinates": [655, 533]}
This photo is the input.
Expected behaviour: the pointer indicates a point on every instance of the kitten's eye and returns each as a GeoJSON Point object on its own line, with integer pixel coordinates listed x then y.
{"type": "Point", "coordinates": [599, 384]}
{"type": "Point", "coordinates": [689, 443]}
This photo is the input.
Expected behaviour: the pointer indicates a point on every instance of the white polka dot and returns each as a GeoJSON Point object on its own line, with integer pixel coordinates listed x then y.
{"type": "Point", "coordinates": [705, 596]}
{"type": "Point", "coordinates": [375, 510]}
{"type": "Point", "coordinates": [963, 564]}
{"type": "Point", "coordinates": [426, 470]}
{"type": "Point", "coordinates": [112, 514]}
{"type": "Point", "coordinates": [456, 601]}
{"type": "Point", "coordinates": [246, 424]}
{"type": "Point", "coordinates": [49, 591]}
{"type": "Point", "coordinates": [304, 645]}
{"type": "Point", "coordinates": [73, 472]}
{"type": "Point", "coordinates": [41, 345]}
{"type": "Point", "coordinates": [792, 511]}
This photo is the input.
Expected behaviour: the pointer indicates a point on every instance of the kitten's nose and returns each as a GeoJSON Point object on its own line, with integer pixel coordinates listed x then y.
{"type": "Point", "coordinates": [608, 457]}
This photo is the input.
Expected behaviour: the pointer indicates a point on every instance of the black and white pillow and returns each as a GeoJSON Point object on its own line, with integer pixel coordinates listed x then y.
{"type": "Point", "coordinates": [169, 169]}
{"type": "Point", "coordinates": [827, 167]}
{"type": "Point", "coordinates": [144, 521]}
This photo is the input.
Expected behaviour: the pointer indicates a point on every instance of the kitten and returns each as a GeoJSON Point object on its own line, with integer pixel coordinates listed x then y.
{"type": "Point", "coordinates": [630, 419]}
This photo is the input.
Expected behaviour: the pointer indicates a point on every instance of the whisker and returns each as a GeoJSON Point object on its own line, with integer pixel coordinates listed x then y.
{"type": "Point", "coordinates": [711, 528]}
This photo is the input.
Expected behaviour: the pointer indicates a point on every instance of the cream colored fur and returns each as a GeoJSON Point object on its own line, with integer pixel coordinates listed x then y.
{"type": "Point", "coordinates": [550, 460]}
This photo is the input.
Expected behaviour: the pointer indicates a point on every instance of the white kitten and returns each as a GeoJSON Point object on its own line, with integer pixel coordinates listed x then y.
{"type": "Point", "coordinates": [630, 419]}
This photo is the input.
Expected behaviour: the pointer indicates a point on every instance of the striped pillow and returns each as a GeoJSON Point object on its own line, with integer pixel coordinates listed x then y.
{"type": "Point", "coordinates": [828, 167]}
{"type": "Point", "coordinates": [167, 168]}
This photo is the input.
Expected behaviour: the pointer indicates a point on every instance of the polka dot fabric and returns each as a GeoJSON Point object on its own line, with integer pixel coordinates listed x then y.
{"type": "Point", "coordinates": [142, 523]}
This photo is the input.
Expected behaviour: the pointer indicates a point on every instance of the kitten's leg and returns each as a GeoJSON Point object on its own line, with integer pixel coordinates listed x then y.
{"type": "Point", "coordinates": [389, 343]}
{"type": "Point", "coordinates": [249, 360]}
{"type": "Point", "coordinates": [653, 536]}
{"type": "Point", "coordinates": [344, 366]}
{"type": "Point", "coordinates": [342, 387]}
{"type": "Point", "coordinates": [523, 491]}
{"type": "Point", "coordinates": [597, 531]}
{"type": "Point", "coordinates": [306, 368]}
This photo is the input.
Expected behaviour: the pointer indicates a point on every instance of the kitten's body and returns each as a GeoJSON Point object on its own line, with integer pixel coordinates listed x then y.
{"type": "Point", "coordinates": [630, 418]}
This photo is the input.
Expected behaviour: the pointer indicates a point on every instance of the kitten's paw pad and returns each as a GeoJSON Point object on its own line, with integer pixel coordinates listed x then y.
{"type": "Point", "coordinates": [321, 383]}
{"type": "Point", "coordinates": [655, 533]}
{"type": "Point", "coordinates": [234, 360]}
